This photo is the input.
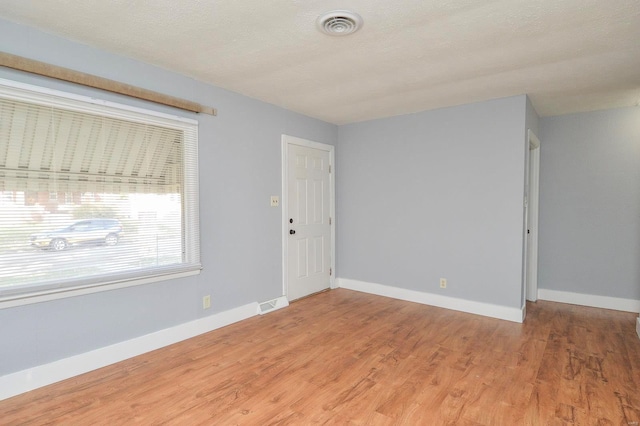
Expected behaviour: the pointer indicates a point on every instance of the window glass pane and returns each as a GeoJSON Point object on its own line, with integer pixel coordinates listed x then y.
{"type": "Point", "coordinates": [92, 195]}
{"type": "Point", "coordinates": [44, 240]}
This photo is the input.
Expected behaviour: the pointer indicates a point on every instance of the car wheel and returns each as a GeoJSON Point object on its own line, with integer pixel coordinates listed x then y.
{"type": "Point", "coordinates": [58, 244]}
{"type": "Point", "coordinates": [111, 240]}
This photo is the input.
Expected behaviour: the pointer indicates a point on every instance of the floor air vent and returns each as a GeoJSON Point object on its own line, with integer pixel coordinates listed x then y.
{"type": "Point", "coordinates": [272, 305]}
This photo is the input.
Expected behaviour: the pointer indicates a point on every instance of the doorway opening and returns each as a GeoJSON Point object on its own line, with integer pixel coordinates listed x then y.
{"type": "Point", "coordinates": [531, 218]}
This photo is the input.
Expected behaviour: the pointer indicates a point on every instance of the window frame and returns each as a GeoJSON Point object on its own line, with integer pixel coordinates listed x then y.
{"type": "Point", "coordinates": [190, 212]}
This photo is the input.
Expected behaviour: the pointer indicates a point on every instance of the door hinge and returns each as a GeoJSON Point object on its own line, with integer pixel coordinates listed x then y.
{"type": "Point", "coordinates": [329, 221]}
{"type": "Point", "coordinates": [330, 271]}
{"type": "Point", "coordinates": [329, 168]}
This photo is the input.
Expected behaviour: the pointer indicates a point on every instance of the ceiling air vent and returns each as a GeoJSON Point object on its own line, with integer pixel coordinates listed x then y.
{"type": "Point", "coordinates": [339, 22]}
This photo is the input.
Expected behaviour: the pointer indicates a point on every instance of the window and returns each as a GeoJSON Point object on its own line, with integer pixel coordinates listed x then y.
{"type": "Point", "coordinates": [93, 195]}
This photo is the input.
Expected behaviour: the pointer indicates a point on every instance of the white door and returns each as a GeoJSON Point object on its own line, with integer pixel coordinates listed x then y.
{"type": "Point", "coordinates": [531, 240]}
{"type": "Point", "coordinates": [307, 220]}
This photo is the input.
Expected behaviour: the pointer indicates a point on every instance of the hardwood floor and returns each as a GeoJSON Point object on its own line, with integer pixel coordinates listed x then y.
{"type": "Point", "coordinates": [343, 357]}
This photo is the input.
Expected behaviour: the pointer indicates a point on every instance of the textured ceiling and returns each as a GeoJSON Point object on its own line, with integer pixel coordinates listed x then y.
{"type": "Point", "coordinates": [411, 55]}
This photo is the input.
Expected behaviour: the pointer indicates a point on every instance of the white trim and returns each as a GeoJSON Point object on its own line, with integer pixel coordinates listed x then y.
{"type": "Point", "coordinates": [292, 140]}
{"type": "Point", "coordinates": [606, 302]}
{"type": "Point", "coordinates": [638, 327]}
{"type": "Point", "coordinates": [469, 306]}
{"type": "Point", "coordinates": [32, 378]}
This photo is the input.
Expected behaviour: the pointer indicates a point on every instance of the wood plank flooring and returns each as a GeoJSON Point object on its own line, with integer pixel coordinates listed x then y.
{"type": "Point", "coordinates": [343, 357]}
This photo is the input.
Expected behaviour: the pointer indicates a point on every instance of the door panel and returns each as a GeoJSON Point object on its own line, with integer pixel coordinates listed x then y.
{"type": "Point", "coordinates": [308, 204]}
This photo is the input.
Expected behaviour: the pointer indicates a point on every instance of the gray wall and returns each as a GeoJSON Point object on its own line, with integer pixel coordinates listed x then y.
{"type": "Point", "coordinates": [435, 194]}
{"type": "Point", "coordinates": [590, 203]}
{"type": "Point", "coordinates": [240, 167]}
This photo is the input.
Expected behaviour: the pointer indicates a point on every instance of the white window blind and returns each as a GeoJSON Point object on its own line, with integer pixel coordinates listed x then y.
{"type": "Point", "coordinates": [92, 194]}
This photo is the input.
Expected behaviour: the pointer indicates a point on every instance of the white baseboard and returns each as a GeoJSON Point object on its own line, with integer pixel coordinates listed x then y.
{"type": "Point", "coordinates": [469, 306]}
{"type": "Point", "coordinates": [23, 381]}
{"type": "Point", "coordinates": [595, 301]}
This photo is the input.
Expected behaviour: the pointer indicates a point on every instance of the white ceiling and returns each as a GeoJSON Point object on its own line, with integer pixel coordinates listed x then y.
{"type": "Point", "coordinates": [411, 55]}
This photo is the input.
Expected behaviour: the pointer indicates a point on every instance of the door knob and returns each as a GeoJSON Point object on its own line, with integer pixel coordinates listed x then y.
{"type": "Point", "coordinates": [292, 231]}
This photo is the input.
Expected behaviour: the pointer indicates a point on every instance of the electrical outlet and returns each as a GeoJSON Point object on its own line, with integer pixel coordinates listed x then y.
{"type": "Point", "coordinates": [206, 302]}
{"type": "Point", "coordinates": [443, 283]}
{"type": "Point", "coordinates": [275, 201]}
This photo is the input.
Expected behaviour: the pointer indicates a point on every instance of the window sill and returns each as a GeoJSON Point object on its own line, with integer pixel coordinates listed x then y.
{"type": "Point", "coordinates": [46, 296]}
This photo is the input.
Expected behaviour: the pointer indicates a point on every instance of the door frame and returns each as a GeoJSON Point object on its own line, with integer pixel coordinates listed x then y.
{"type": "Point", "coordinates": [531, 267]}
{"type": "Point", "coordinates": [292, 140]}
